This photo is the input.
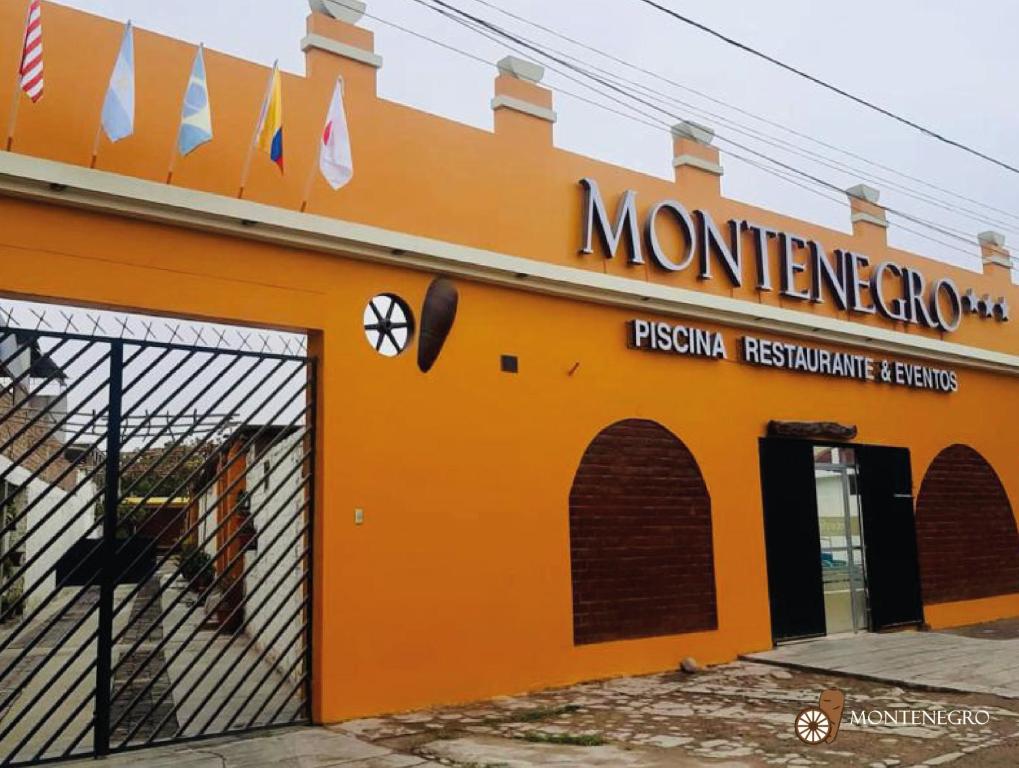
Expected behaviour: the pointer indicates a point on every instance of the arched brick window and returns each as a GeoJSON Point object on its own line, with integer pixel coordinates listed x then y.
{"type": "Point", "coordinates": [966, 532]}
{"type": "Point", "coordinates": [640, 537]}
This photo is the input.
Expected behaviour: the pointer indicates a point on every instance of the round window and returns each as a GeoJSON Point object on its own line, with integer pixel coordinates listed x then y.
{"type": "Point", "coordinates": [388, 324]}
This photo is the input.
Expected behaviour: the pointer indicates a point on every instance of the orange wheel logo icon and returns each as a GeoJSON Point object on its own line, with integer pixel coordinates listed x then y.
{"type": "Point", "coordinates": [812, 725]}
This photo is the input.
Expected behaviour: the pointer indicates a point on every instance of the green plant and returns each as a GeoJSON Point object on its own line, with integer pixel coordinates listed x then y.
{"type": "Point", "coordinates": [195, 563]}
{"type": "Point", "coordinates": [580, 740]}
{"type": "Point", "coordinates": [544, 713]}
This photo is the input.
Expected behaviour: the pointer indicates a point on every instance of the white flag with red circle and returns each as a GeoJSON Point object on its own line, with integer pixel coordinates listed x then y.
{"type": "Point", "coordinates": [335, 158]}
{"type": "Point", "coordinates": [31, 53]}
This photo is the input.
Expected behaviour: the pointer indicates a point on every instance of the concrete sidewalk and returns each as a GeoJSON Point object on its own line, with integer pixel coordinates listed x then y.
{"type": "Point", "coordinates": [292, 748]}
{"type": "Point", "coordinates": [931, 660]}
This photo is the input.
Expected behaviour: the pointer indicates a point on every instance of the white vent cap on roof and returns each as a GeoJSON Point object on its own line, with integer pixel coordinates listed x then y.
{"type": "Point", "coordinates": [865, 192]}
{"type": "Point", "coordinates": [688, 129]}
{"type": "Point", "coordinates": [349, 11]}
{"type": "Point", "coordinates": [522, 69]}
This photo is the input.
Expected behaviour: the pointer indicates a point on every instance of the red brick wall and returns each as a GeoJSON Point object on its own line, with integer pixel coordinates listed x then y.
{"type": "Point", "coordinates": [640, 537]}
{"type": "Point", "coordinates": [966, 532]}
{"type": "Point", "coordinates": [32, 449]}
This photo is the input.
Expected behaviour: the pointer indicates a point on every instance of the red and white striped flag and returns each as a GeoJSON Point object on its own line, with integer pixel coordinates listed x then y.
{"type": "Point", "coordinates": [31, 56]}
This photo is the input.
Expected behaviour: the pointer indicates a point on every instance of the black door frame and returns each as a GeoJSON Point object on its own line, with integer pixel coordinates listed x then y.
{"type": "Point", "coordinates": [786, 626]}
{"type": "Point", "coordinates": [791, 539]}
{"type": "Point", "coordinates": [893, 567]}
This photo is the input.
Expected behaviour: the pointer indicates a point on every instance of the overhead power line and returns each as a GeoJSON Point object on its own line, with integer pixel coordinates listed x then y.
{"type": "Point", "coordinates": [641, 118]}
{"type": "Point", "coordinates": [833, 88]}
{"type": "Point", "coordinates": [499, 35]}
{"type": "Point", "coordinates": [774, 141]}
{"type": "Point", "coordinates": [988, 217]}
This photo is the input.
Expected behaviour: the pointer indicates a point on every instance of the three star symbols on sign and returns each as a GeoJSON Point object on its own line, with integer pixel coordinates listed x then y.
{"type": "Point", "coordinates": [984, 306]}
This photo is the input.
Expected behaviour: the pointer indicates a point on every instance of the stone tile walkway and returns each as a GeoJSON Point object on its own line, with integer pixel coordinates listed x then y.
{"type": "Point", "coordinates": [932, 660]}
{"type": "Point", "coordinates": [172, 676]}
{"type": "Point", "coordinates": [48, 682]}
{"type": "Point", "coordinates": [294, 748]}
{"type": "Point", "coordinates": [734, 716]}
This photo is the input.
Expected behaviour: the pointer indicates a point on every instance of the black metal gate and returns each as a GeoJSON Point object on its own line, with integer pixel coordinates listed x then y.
{"type": "Point", "coordinates": [155, 538]}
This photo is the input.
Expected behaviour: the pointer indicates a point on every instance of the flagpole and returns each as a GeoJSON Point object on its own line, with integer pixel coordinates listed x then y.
{"type": "Point", "coordinates": [173, 164]}
{"type": "Point", "coordinates": [95, 144]}
{"type": "Point", "coordinates": [15, 103]}
{"type": "Point", "coordinates": [176, 142]}
{"type": "Point", "coordinates": [305, 199]}
{"type": "Point", "coordinates": [246, 171]}
{"type": "Point", "coordinates": [16, 98]}
{"type": "Point", "coordinates": [307, 187]}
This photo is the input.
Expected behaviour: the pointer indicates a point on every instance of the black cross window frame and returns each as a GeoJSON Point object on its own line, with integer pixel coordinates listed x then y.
{"type": "Point", "coordinates": [384, 325]}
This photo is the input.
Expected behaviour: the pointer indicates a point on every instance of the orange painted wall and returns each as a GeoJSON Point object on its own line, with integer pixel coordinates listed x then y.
{"type": "Point", "coordinates": [458, 585]}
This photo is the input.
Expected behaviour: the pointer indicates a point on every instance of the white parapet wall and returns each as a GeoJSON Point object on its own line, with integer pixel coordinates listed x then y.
{"type": "Point", "coordinates": [208, 520]}
{"type": "Point", "coordinates": [278, 513]}
{"type": "Point", "coordinates": [56, 519]}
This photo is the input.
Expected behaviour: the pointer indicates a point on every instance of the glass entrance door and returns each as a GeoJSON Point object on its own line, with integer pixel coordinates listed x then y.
{"type": "Point", "coordinates": [843, 573]}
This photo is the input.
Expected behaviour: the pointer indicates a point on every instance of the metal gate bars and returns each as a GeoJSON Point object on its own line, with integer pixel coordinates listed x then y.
{"type": "Point", "coordinates": [155, 542]}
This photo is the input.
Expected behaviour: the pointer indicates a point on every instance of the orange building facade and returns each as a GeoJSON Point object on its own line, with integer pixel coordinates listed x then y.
{"type": "Point", "coordinates": [583, 484]}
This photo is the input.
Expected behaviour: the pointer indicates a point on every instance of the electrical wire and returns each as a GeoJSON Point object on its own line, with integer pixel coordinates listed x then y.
{"type": "Point", "coordinates": [488, 29]}
{"type": "Point", "coordinates": [770, 139]}
{"type": "Point", "coordinates": [659, 125]}
{"type": "Point", "coordinates": [829, 86]}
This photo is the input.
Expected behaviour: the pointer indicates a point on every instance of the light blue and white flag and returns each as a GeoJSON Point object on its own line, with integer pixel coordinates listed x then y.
{"type": "Point", "coordinates": [118, 109]}
{"type": "Point", "coordinates": [196, 117]}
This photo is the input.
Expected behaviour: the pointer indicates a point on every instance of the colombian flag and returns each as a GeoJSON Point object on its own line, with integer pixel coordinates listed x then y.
{"type": "Point", "coordinates": [270, 130]}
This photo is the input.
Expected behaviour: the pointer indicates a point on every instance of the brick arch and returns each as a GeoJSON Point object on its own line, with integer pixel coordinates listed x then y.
{"type": "Point", "coordinates": [640, 537]}
{"type": "Point", "coordinates": [966, 533]}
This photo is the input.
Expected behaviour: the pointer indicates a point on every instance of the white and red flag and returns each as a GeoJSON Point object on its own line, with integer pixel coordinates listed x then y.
{"type": "Point", "coordinates": [31, 54]}
{"type": "Point", "coordinates": [335, 160]}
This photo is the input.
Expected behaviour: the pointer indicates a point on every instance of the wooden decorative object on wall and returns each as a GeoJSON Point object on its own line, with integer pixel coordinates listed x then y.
{"type": "Point", "coordinates": [812, 430]}
{"type": "Point", "coordinates": [437, 317]}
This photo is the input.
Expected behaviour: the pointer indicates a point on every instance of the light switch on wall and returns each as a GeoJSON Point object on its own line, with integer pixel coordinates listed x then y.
{"type": "Point", "coordinates": [358, 516]}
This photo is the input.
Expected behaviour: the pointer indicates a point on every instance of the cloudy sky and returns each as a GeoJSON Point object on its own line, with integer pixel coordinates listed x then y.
{"type": "Point", "coordinates": [947, 65]}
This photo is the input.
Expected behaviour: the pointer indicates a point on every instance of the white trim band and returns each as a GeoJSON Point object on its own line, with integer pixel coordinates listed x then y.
{"type": "Point", "coordinates": [71, 185]}
{"type": "Point", "coordinates": [692, 161]}
{"type": "Point", "coordinates": [869, 218]}
{"type": "Point", "coordinates": [323, 43]}
{"type": "Point", "coordinates": [526, 107]}
{"type": "Point", "coordinates": [999, 260]}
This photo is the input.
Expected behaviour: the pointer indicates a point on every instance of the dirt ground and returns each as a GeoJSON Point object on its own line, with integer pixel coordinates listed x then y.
{"type": "Point", "coordinates": [739, 714]}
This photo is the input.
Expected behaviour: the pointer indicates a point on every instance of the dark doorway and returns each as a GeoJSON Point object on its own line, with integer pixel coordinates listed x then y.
{"type": "Point", "coordinates": [893, 573]}
{"type": "Point", "coordinates": [792, 539]}
{"type": "Point", "coordinates": [840, 538]}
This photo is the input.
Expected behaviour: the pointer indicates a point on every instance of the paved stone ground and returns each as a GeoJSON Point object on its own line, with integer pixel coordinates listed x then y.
{"type": "Point", "coordinates": [293, 748]}
{"type": "Point", "coordinates": [180, 677]}
{"type": "Point", "coordinates": [46, 678]}
{"type": "Point", "coordinates": [139, 680]}
{"type": "Point", "coordinates": [956, 661]}
{"type": "Point", "coordinates": [738, 715]}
